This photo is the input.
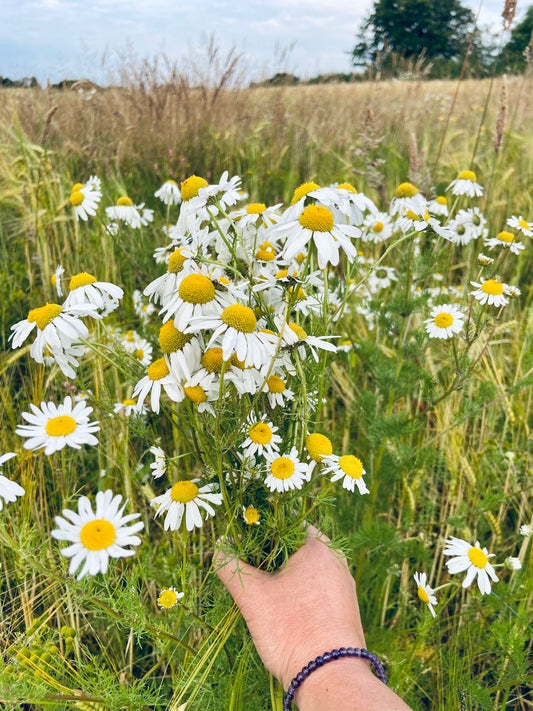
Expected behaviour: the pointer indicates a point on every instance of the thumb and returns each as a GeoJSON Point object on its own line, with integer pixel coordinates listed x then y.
{"type": "Point", "coordinates": [236, 575]}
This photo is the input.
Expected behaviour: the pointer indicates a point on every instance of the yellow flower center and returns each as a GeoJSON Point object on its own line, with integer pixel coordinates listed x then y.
{"type": "Point", "coordinates": [44, 315]}
{"type": "Point", "coordinates": [300, 294]}
{"type": "Point", "coordinates": [300, 257]}
{"type": "Point", "coordinates": [81, 279]}
{"type": "Point", "coordinates": [158, 369]}
{"type": "Point", "coordinates": [378, 227]}
{"type": "Point", "coordinates": [266, 252]}
{"type": "Point", "coordinates": [212, 360]}
{"type": "Point", "coordinates": [441, 200]}
{"type": "Point", "coordinates": [282, 468]}
{"type": "Point", "coordinates": [98, 534]}
{"type": "Point", "coordinates": [172, 182]}
{"type": "Point", "coordinates": [523, 224]}
{"type": "Point", "coordinates": [467, 175]}
{"type": "Point", "coordinates": [352, 466]}
{"type": "Point", "coordinates": [443, 320]}
{"type": "Point", "coordinates": [196, 394]}
{"type": "Point", "coordinates": [129, 401]}
{"type": "Point", "coordinates": [251, 515]}
{"type": "Point", "coordinates": [184, 491]}
{"type": "Point", "coordinates": [422, 594]}
{"type": "Point", "coordinates": [139, 353]}
{"type": "Point", "coordinates": [190, 187]}
{"type": "Point", "coordinates": [282, 274]}
{"type": "Point", "coordinates": [239, 317]}
{"type": "Point", "coordinates": [256, 208]}
{"type": "Point", "coordinates": [236, 362]}
{"type": "Point", "coordinates": [77, 187]}
{"type": "Point", "coordinates": [77, 198]}
{"type": "Point", "coordinates": [275, 384]}
{"type": "Point", "coordinates": [505, 236]}
{"type": "Point", "coordinates": [176, 261]}
{"type": "Point", "coordinates": [299, 331]}
{"type": "Point", "coordinates": [125, 201]}
{"type": "Point", "coordinates": [412, 215]}
{"type": "Point", "coordinates": [197, 289]}
{"type": "Point", "coordinates": [172, 340]}
{"type": "Point", "coordinates": [60, 426]}
{"type": "Point", "coordinates": [478, 558]}
{"type": "Point", "coordinates": [491, 286]}
{"type": "Point", "coordinates": [405, 190]}
{"type": "Point", "coordinates": [317, 219]}
{"type": "Point", "coordinates": [260, 433]}
{"type": "Point", "coordinates": [347, 186]}
{"type": "Point", "coordinates": [318, 446]}
{"type": "Point", "coordinates": [167, 598]}
{"type": "Point", "coordinates": [304, 189]}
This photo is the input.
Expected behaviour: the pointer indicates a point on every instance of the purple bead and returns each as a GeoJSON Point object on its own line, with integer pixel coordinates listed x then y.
{"type": "Point", "coordinates": [299, 678]}
{"type": "Point", "coordinates": [327, 657]}
{"type": "Point", "coordinates": [319, 661]}
{"type": "Point", "coordinates": [351, 651]}
{"type": "Point", "coordinates": [335, 654]}
{"type": "Point", "coordinates": [343, 652]}
{"type": "Point", "coordinates": [312, 666]}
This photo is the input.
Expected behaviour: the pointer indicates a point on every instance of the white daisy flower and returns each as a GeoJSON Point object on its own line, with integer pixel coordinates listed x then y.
{"type": "Point", "coordinates": [168, 598]}
{"type": "Point", "coordinates": [97, 536]}
{"type": "Point", "coordinates": [187, 498]}
{"type": "Point", "coordinates": [95, 184]}
{"type": "Point", "coordinates": [9, 490]}
{"type": "Point", "coordinates": [146, 215]}
{"type": "Point", "coordinates": [381, 278]}
{"type": "Point", "coordinates": [251, 515]}
{"type": "Point", "coordinates": [159, 465]}
{"type": "Point", "coordinates": [484, 261]}
{"type": "Point", "coordinates": [286, 472]}
{"type": "Point", "coordinates": [505, 239]}
{"type": "Point", "coordinates": [84, 289]}
{"type": "Point", "coordinates": [349, 469]}
{"type": "Point", "coordinates": [465, 184]}
{"type": "Point", "coordinates": [169, 193]}
{"type": "Point", "coordinates": [473, 559]}
{"type": "Point", "coordinates": [512, 563]}
{"type": "Point", "coordinates": [425, 593]}
{"type": "Point", "coordinates": [124, 211]}
{"type": "Point", "coordinates": [84, 200]}
{"type": "Point", "coordinates": [226, 192]}
{"type": "Point", "coordinates": [180, 263]}
{"type": "Point", "coordinates": [142, 310]}
{"type": "Point", "coordinates": [294, 335]}
{"type": "Point", "coordinates": [158, 378]}
{"type": "Point", "coordinates": [262, 438]}
{"type": "Point", "coordinates": [129, 407]}
{"type": "Point", "coordinates": [256, 214]}
{"type": "Point", "coordinates": [491, 292]}
{"type": "Point", "coordinates": [407, 197]}
{"type": "Point", "coordinates": [525, 530]}
{"type": "Point", "coordinates": [445, 321]}
{"type": "Point", "coordinates": [277, 391]}
{"type": "Point", "coordinates": [56, 426]}
{"type": "Point", "coordinates": [377, 228]}
{"type": "Point", "coordinates": [197, 296]}
{"type": "Point", "coordinates": [438, 206]}
{"type": "Point", "coordinates": [520, 224]}
{"type": "Point", "coordinates": [345, 202]}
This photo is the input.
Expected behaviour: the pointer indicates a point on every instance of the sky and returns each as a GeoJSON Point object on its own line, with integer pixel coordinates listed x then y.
{"type": "Point", "coordinates": [71, 39]}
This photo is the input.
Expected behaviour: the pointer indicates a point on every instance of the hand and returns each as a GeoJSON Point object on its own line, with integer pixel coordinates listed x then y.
{"type": "Point", "coordinates": [306, 608]}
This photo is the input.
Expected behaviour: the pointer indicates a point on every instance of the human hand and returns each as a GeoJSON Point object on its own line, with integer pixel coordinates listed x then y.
{"type": "Point", "coordinates": [306, 608]}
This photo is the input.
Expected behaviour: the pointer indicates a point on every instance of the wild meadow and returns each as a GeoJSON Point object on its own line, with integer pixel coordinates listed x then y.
{"type": "Point", "coordinates": [324, 315]}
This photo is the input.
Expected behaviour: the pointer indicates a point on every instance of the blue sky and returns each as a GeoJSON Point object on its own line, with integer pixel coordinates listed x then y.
{"type": "Point", "coordinates": [60, 39]}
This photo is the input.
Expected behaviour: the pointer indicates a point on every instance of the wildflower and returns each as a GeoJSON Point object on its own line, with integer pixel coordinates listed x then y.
{"type": "Point", "coordinates": [9, 490]}
{"type": "Point", "coordinates": [474, 560]}
{"type": "Point", "coordinates": [85, 289]}
{"type": "Point", "coordinates": [525, 530]}
{"type": "Point", "coordinates": [513, 291]}
{"type": "Point", "coordinates": [158, 377]}
{"type": "Point", "coordinates": [180, 263]}
{"type": "Point", "coordinates": [349, 469]}
{"type": "Point", "coordinates": [84, 200]}
{"type": "Point", "coordinates": [262, 438]}
{"type": "Point", "coordinates": [286, 472]}
{"type": "Point", "coordinates": [168, 598]}
{"type": "Point", "coordinates": [159, 465]}
{"type": "Point", "coordinates": [142, 310]}
{"type": "Point", "coordinates": [425, 593]}
{"type": "Point", "coordinates": [468, 225]}
{"type": "Point", "coordinates": [491, 292]}
{"type": "Point", "coordinates": [445, 321]}
{"type": "Point", "coordinates": [195, 297]}
{"type": "Point", "coordinates": [129, 407]}
{"type": "Point", "coordinates": [318, 446]}
{"type": "Point", "coordinates": [504, 239]}
{"type": "Point", "coordinates": [382, 278]}
{"type": "Point", "coordinates": [186, 497]}
{"type": "Point", "coordinates": [484, 261]}
{"type": "Point", "coordinates": [125, 211]}
{"type": "Point", "coordinates": [378, 227]}
{"type": "Point", "coordinates": [512, 563]}
{"type": "Point", "coordinates": [407, 197]}
{"type": "Point", "coordinates": [293, 335]}
{"type": "Point", "coordinates": [97, 536]}
{"type": "Point", "coordinates": [438, 206]}
{"type": "Point", "coordinates": [190, 187]}
{"type": "Point", "coordinates": [345, 202]}
{"type": "Point", "coordinates": [520, 224]}
{"type": "Point", "coordinates": [146, 215]}
{"type": "Point", "coordinates": [277, 391]}
{"type": "Point", "coordinates": [56, 426]}
{"type": "Point", "coordinates": [169, 193]}
{"type": "Point", "coordinates": [465, 184]}
{"type": "Point", "coordinates": [251, 515]}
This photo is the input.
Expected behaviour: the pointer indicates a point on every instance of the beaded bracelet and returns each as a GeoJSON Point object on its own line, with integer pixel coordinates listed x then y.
{"type": "Point", "coordinates": [329, 657]}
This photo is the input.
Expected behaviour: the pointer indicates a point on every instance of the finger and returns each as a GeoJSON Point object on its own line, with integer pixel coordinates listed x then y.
{"type": "Point", "coordinates": [235, 573]}
{"type": "Point", "coordinates": [313, 532]}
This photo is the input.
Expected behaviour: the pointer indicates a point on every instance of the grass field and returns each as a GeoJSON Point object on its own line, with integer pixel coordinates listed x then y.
{"type": "Point", "coordinates": [442, 426]}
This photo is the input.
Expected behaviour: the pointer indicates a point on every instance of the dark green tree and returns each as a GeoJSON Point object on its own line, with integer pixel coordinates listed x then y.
{"type": "Point", "coordinates": [435, 30]}
{"type": "Point", "coordinates": [511, 58]}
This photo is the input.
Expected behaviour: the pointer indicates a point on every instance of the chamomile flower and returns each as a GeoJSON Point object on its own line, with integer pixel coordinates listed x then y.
{"type": "Point", "coordinates": [125, 211]}
{"type": "Point", "coordinates": [484, 261]}
{"type": "Point", "coordinates": [381, 278]}
{"type": "Point", "coordinates": [168, 598]}
{"type": "Point", "coordinates": [158, 378]}
{"type": "Point", "coordinates": [473, 559]}
{"type": "Point", "coordinates": [424, 592]}
{"type": "Point", "coordinates": [512, 563]}
{"type": "Point", "coordinates": [53, 427]}
{"type": "Point", "coordinates": [256, 214]}
{"type": "Point", "coordinates": [97, 536]}
{"type": "Point", "coordinates": [187, 498]}
{"type": "Point", "coordinates": [277, 391]}
{"type": "Point", "coordinates": [520, 224]}
{"type": "Point", "coordinates": [159, 465]}
{"type": "Point", "coordinates": [446, 320]}
{"type": "Point", "coordinates": [9, 490]}
{"type": "Point", "coordinates": [349, 469]}
{"type": "Point", "coordinates": [142, 310]}
{"type": "Point", "coordinates": [491, 292]}
{"type": "Point", "coordinates": [85, 289]}
{"type": "Point", "coordinates": [262, 438]}
{"type": "Point", "coordinates": [465, 184]}
{"type": "Point", "coordinates": [197, 296]}
{"type": "Point", "coordinates": [129, 407]}
{"type": "Point", "coordinates": [525, 530]}
{"type": "Point", "coordinates": [84, 200]}
{"type": "Point", "coordinates": [505, 239]}
{"type": "Point", "coordinates": [180, 263]}
{"type": "Point", "coordinates": [251, 515]}
{"type": "Point", "coordinates": [438, 206]}
{"type": "Point", "coordinates": [377, 228]}
{"type": "Point", "coordinates": [286, 472]}
{"type": "Point", "coordinates": [407, 198]}
{"type": "Point", "coordinates": [169, 193]}
{"type": "Point", "coordinates": [294, 336]}
{"type": "Point", "coordinates": [226, 192]}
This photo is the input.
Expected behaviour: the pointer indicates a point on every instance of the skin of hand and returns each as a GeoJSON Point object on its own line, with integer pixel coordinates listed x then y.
{"type": "Point", "coordinates": [306, 608]}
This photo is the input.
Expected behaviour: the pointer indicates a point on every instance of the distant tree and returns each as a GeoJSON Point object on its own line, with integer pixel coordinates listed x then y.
{"type": "Point", "coordinates": [437, 30]}
{"type": "Point", "coordinates": [512, 57]}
